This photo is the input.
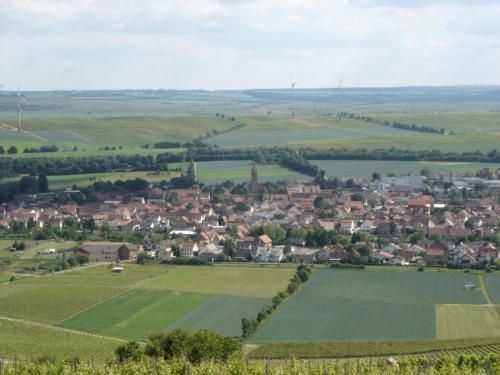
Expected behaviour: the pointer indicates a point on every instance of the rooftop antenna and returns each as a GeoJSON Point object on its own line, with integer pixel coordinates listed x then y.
{"type": "Point", "coordinates": [292, 87]}
{"type": "Point", "coordinates": [340, 99]}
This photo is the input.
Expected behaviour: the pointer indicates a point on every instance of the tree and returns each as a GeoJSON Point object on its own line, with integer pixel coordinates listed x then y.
{"type": "Point", "coordinates": [131, 351]}
{"type": "Point", "coordinates": [241, 207]}
{"type": "Point", "coordinates": [426, 172]}
{"type": "Point", "coordinates": [12, 150]}
{"type": "Point", "coordinates": [176, 250]}
{"type": "Point", "coordinates": [320, 202]}
{"type": "Point", "coordinates": [415, 237]}
{"type": "Point", "coordinates": [276, 233]}
{"type": "Point", "coordinates": [229, 248]}
{"type": "Point", "coordinates": [359, 197]}
{"type": "Point", "coordinates": [375, 176]}
{"type": "Point", "coordinates": [142, 258]}
{"type": "Point", "coordinates": [28, 185]}
{"type": "Point", "coordinates": [89, 224]}
{"type": "Point", "coordinates": [196, 346]}
{"type": "Point", "coordinates": [2, 150]}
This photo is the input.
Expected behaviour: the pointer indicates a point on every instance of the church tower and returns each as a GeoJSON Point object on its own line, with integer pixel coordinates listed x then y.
{"type": "Point", "coordinates": [254, 184]}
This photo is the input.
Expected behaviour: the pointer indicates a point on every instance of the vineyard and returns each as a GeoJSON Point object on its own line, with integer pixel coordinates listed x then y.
{"type": "Point", "coordinates": [475, 364]}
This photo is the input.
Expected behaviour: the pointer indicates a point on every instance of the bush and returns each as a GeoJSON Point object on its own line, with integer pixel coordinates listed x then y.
{"type": "Point", "coordinates": [194, 261]}
{"type": "Point", "coordinates": [131, 351]}
{"type": "Point", "coordinates": [347, 266]}
{"type": "Point", "coordinates": [195, 346]}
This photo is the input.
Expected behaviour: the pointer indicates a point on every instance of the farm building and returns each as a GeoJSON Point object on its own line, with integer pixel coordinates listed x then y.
{"type": "Point", "coordinates": [109, 251]}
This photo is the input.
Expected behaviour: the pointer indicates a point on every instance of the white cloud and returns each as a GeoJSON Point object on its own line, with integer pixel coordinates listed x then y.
{"type": "Point", "coordinates": [211, 44]}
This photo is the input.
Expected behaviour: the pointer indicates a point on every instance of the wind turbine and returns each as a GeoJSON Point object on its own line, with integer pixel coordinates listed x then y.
{"type": "Point", "coordinates": [340, 99]}
{"type": "Point", "coordinates": [20, 98]}
{"type": "Point", "coordinates": [292, 87]}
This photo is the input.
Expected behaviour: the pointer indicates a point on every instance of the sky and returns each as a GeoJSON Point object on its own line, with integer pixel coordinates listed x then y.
{"type": "Point", "coordinates": [242, 44]}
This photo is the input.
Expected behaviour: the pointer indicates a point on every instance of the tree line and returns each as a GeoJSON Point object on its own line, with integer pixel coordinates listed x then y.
{"type": "Point", "coordinates": [250, 326]}
{"type": "Point", "coordinates": [396, 124]}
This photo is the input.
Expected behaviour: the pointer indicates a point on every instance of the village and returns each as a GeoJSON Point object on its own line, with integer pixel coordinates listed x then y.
{"type": "Point", "coordinates": [389, 221]}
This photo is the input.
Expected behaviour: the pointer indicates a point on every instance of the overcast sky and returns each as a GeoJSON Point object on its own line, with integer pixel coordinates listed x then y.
{"type": "Point", "coordinates": [236, 44]}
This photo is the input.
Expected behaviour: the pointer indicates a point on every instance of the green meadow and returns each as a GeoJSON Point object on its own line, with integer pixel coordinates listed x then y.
{"type": "Point", "coordinates": [365, 168]}
{"type": "Point", "coordinates": [367, 306]}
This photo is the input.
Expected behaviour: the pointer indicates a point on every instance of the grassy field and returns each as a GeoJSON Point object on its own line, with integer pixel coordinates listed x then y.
{"type": "Point", "coordinates": [365, 168]}
{"type": "Point", "coordinates": [100, 275]}
{"type": "Point", "coordinates": [49, 303]}
{"type": "Point", "coordinates": [33, 247]}
{"type": "Point", "coordinates": [33, 341]}
{"type": "Point", "coordinates": [493, 285]}
{"type": "Point", "coordinates": [458, 122]}
{"type": "Point", "coordinates": [367, 305]}
{"type": "Point", "coordinates": [211, 172]}
{"type": "Point", "coordinates": [230, 280]}
{"type": "Point", "coordinates": [84, 180]}
{"type": "Point", "coordinates": [326, 132]}
{"type": "Point", "coordinates": [466, 321]}
{"type": "Point", "coordinates": [135, 314]}
{"type": "Point", "coordinates": [227, 321]}
{"type": "Point", "coordinates": [63, 130]}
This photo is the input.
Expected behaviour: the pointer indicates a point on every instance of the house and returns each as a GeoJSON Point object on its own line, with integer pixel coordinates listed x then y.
{"type": "Point", "coordinates": [303, 255]}
{"type": "Point", "coordinates": [163, 251]}
{"type": "Point", "coordinates": [210, 252]}
{"type": "Point", "coordinates": [398, 261]}
{"type": "Point", "coordinates": [244, 248]}
{"type": "Point", "coordinates": [108, 251]}
{"type": "Point", "coordinates": [188, 249]}
{"type": "Point", "coordinates": [367, 226]}
{"type": "Point", "coordinates": [392, 248]}
{"type": "Point", "coordinates": [264, 241]}
{"type": "Point", "coordinates": [487, 253]}
{"type": "Point", "coordinates": [435, 256]}
{"type": "Point", "coordinates": [347, 226]}
{"type": "Point", "coordinates": [333, 254]}
{"type": "Point", "coordinates": [269, 254]}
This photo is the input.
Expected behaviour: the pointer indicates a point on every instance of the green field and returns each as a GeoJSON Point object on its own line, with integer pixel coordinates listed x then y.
{"type": "Point", "coordinates": [227, 320]}
{"type": "Point", "coordinates": [49, 303]}
{"type": "Point", "coordinates": [32, 341]}
{"type": "Point", "coordinates": [327, 132]}
{"type": "Point", "coordinates": [467, 321]}
{"type": "Point", "coordinates": [367, 305]}
{"type": "Point", "coordinates": [230, 280]}
{"type": "Point", "coordinates": [140, 301]}
{"type": "Point", "coordinates": [365, 168]}
{"type": "Point", "coordinates": [63, 130]}
{"type": "Point", "coordinates": [211, 172]}
{"type": "Point", "coordinates": [135, 314]}
{"type": "Point", "coordinates": [493, 284]}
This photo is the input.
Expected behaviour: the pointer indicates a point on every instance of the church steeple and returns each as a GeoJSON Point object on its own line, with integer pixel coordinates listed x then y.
{"type": "Point", "coordinates": [254, 183]}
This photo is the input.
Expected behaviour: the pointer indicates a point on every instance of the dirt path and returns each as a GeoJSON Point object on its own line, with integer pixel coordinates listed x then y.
{"type": "Point", "coordinates": [484, 290]}
{"type": "Point", "coordinates": [60, 329]}
{"type": "Point", "coordinates": [14, 129]}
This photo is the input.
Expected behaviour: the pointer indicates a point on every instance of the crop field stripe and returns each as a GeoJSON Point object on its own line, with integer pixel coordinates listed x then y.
{"type": "Point", "coordinates": [492, 283]}
{"type": "Point", "coordinates": [222, 314]}
{"type": "Point", "coordinates": [92, 306]}
{"type": "Point", "coordinates": [467, 321]}
{"type": "Point", "coordinates": [57, 328]}
{"type": "Point", "coordinates": [136, 314]}
{"type": "Point", "coordinates": [484, 290]}
{"type": "Point", "coordinates": [22, 339]}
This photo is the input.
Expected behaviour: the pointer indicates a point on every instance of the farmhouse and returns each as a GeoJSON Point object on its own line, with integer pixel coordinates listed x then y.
{"type": "Point", "coordinates": [108, 251]}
